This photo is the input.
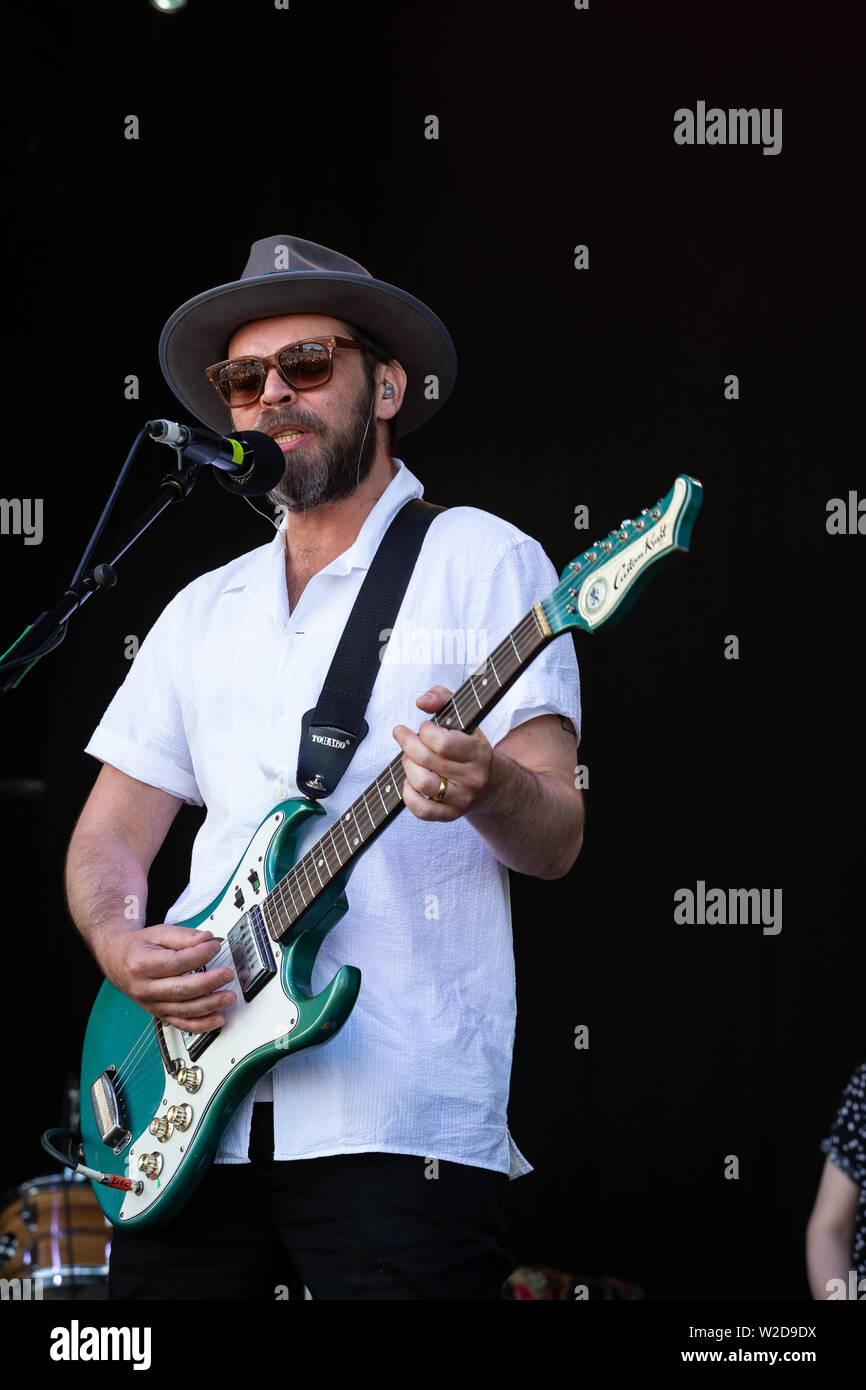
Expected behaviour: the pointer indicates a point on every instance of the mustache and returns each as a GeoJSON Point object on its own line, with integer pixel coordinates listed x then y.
{"type": "Point", "coordinates": [271, 420]}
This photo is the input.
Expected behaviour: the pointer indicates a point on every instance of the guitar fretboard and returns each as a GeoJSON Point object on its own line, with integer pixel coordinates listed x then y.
{"type": "Point", "coordinates": [381, 801]}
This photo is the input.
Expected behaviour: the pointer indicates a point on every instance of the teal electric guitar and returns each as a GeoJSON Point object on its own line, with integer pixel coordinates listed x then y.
{"type": "Point", "coordinates": [155, 1100]}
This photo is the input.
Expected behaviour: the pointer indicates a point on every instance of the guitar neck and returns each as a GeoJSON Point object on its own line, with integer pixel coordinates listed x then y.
{"type": "Point", "coordinates": [381, 801]}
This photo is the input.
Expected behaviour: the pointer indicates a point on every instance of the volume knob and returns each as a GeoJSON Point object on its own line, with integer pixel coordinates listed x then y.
{"type": "Point", "coordinates": [190, 1078]}
{"type": "Point", "coordinates": [162, 1129]}
{"type": "Point", "coordinates": [180, 1116]}
{"type": "Point", "coordinates": [150, 1165]}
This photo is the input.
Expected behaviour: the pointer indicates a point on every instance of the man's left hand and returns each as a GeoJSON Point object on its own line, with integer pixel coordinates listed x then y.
{"type": "Point", "coordinates": [465, 761]}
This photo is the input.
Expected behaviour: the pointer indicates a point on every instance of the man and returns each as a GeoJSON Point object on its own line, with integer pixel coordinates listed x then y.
{"type": "Point", "coordinates": [374, 1167]}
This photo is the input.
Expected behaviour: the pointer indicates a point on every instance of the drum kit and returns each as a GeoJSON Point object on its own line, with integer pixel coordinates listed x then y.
{"type": "Point", "coordinates": [54, 1239]}
{"type": "Point", "coordinates": [54, 1235]}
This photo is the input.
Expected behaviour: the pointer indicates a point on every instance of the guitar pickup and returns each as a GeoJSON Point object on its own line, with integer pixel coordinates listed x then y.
{"type": "Point", "coordinates": [106, 1112]}
{"type": "Point", "coordinates": [251, 953]}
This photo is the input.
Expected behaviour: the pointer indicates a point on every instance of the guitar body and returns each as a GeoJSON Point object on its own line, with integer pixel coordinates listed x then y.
{"type": "Point", "coordinates": [131, 1059]}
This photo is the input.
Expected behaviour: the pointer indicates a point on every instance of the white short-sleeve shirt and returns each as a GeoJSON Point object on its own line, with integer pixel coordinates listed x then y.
{"type": "Point", "coordinates": [211, 712]}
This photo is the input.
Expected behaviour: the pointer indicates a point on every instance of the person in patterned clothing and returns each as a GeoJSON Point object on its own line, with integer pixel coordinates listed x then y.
{"type": "Point", "coordinates": [836, 1232]}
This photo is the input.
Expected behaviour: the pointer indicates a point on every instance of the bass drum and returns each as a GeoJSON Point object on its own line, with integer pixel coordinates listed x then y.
{"type": "Point", "coordinates": [53, 1233]}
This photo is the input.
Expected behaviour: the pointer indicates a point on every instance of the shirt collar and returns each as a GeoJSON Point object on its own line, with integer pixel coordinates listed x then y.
{"type": "Point", "coordinates": [263, 572]}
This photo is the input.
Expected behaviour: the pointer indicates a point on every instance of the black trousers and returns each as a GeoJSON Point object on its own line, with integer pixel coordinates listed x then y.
{"type": "Point", "coordinates": [355, 1226]}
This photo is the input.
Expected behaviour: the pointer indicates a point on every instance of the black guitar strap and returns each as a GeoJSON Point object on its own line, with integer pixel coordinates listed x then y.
{"type": "Point", "coordinates": [332, 731]}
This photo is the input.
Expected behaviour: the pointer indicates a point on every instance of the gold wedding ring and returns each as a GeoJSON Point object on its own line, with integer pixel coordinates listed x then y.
{"type": "Point", "coordinates": [443, 787]}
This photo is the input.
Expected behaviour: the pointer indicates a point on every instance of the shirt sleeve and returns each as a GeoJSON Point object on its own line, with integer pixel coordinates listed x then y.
{"type": "Point", "coordinates": [846, 1142]}
{"type": "Point", "coordinates": [142, 731]}
{"type": "Point", "coordinates": [551, 683]}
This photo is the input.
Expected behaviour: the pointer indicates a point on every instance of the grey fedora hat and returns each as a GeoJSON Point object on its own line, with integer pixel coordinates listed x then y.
{"type": "Point", "coordinates": [286, 275]}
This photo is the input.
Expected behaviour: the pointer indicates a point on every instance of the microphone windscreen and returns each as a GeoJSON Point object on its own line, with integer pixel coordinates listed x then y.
{"type": "Point", "coordinates": [264, 466]}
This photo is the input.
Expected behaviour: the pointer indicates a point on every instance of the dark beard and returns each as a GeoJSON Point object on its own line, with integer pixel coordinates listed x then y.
{"type": "Point", "coordinates": [345, 456]}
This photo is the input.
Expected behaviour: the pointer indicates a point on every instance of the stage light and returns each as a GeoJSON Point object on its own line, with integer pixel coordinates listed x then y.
{"type": "Point", "coordinates": [168, 6]}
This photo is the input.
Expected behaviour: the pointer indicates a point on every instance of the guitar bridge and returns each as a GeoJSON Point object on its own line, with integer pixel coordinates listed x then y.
{"type": "Point", "coordinates": [106, 1112]}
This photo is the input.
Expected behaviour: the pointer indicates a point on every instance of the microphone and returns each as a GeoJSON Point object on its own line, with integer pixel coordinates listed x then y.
{"type": "Point", "coordinates": [248, 464]}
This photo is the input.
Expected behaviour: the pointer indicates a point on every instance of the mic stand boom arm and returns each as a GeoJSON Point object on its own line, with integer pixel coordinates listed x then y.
{"type": "Point", "coordinates": [49, 629]}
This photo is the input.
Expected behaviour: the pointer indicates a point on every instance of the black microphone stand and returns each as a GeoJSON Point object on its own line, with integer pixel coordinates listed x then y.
{"type": "Point", "coordinates": [49, 629]}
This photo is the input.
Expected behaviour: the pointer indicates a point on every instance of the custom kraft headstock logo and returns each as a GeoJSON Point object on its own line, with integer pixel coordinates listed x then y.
{"type": "Point", "coordinates": [607, 586]}
{"type": "Point", "coordinates": [651, 542]}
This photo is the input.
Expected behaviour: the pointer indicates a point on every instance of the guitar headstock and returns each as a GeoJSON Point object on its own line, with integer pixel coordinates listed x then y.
{"type": "Point", "coordinates": [603, 582]}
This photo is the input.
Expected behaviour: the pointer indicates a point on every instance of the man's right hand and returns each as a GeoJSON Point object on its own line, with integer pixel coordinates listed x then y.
{"type": "Point", "coordinates": [151, 965]}
{"type": "Point", "coordinates": [118, 833]}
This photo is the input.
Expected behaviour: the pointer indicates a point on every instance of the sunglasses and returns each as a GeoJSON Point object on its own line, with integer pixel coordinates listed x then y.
{"type": "Point", "coordinates": [303, 365]}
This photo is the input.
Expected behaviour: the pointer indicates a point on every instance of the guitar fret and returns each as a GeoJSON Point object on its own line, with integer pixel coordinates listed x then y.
{"type": "Point", "coordinates": [297, 886]}
{"type": "Point", "coordinates": [311, 863]}
{"type": "Point", "coordinates": [514, 645]}
{"type": "Point", "coordinates": [463, 699]}
{"type": "Point", "coordinates": [272, 915]}
{"type": "Point", "coordinates": [302, 865]}
{"type": "Point", "coordinates": [293, 883]}
{"type": "Point", "coordinates": [343, 819]}
{"type": "Point", "coordinates": [334, 843]}
{"type": "Point", "coordinates": [288, 881]}
{"type": "Point", "coordinates": [443, 719]}
{"type": "Point", "coordinates": [268, 914]}
{"type": "Point", "coordinates": [381, 797]}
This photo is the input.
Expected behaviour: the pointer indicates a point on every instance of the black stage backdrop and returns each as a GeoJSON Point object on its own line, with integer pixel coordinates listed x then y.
{"type": "Point", "coordinates": [736, 764]}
